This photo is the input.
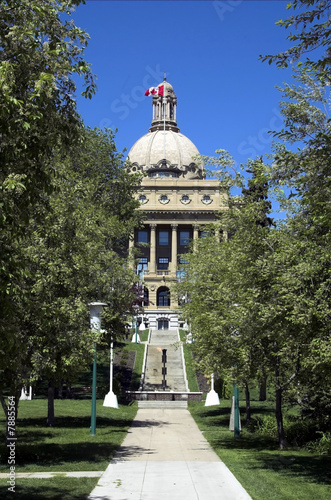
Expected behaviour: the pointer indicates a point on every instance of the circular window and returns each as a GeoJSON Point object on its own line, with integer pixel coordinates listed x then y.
{"type": "Point", "coordinates": [164, 198]}
{"type": "Point", "coordinates": [142, 198]}
{"type": "Point", "coordinates": [206, 198]}
{"type": "Point", "coordinates": [185, 199]}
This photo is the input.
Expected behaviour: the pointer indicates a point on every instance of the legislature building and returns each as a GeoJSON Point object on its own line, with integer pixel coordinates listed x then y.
{"type": "Point", "coordinates": [177, 201]}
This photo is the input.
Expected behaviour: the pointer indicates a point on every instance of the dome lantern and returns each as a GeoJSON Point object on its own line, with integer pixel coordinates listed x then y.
{"type": "Point", "coordinates": [165, 109]}
{"type": "Point", "coordinates": [164, 152]}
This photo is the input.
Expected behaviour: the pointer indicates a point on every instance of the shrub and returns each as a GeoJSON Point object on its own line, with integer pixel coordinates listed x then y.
{"type": "Point", "coordinates": [117, 386]}
{"type": "Point", "coordinates": [322, 445]}
{"type": "Point", "coordinates": [267, 427]}
{"type": "Point", "coordinates": [298, 431]}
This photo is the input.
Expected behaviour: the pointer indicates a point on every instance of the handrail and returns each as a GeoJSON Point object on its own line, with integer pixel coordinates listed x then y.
{"type": "Point", "coordinates": [143, 371]}
{"type": "Point", "coordinates": [183, 361]}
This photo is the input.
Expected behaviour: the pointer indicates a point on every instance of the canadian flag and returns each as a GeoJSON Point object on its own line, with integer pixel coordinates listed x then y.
{"type": "Point", "coordinates": [155, 90]}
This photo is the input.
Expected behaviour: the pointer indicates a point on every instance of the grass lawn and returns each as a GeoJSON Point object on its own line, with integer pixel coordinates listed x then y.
{"type": "Point", "coordinates": [264, 471]}
{"type": "Point", "coordinates": [66, 447]}
{"type": "Point", "coordinates": [138, 364]}
{"type": "Point", "coordinates": [60, 488]}
{"type": "Point", "coordinates": [190, 371]}
{"type": "Point", "coordinates": [143, 334]}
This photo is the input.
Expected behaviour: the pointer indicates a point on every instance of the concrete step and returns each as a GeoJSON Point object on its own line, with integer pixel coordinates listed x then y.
{"type": "Point", "coordinates": [170, 386]}
{"type": "Point", "coordinates": [179, 405]}
{"type": "Point", "coordinates": [175, 370]}
{"type": "Point", "coordinates": [163, 337]}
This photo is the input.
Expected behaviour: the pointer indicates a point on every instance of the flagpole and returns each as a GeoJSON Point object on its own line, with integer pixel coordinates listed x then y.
{"type": "Point", "coordinates": [164, 155]}
{"type": "Point", "coordinates": [164, 147]}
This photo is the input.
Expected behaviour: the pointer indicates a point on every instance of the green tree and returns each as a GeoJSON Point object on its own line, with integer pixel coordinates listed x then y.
{"type": "Point", "coordinates": [307, 172]}
{"type": "Point", "coordinates": [249, 303]}
{"type": "Point", "coordinates": [223, 283]}
{"type": "Point", "coordinates": [41, 52]}
{"type": "Point", "coordinates": [312, 30]}
{"type": "Point", "coordinates": [74, 258]}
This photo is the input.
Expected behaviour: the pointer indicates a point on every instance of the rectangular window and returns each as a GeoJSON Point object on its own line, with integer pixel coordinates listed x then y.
{"type": "Point", "coordinates": [163, 238]}
{"type": "Point", "coordinates": [163, 263]}
{"type": "Point", "coordinates": [181, 272]}
{"type": "Point", "coordinates": [142, 237]}
{"type": "Point", "coordinates": [142, 266]}
{"type": "Point", "coordinates": [184, 238]}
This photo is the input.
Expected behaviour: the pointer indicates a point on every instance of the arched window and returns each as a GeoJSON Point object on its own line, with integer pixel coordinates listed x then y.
{"type": "Point", "coordinates": [146, 297]}
{"type": "Point", "coordinates": [163, 296]}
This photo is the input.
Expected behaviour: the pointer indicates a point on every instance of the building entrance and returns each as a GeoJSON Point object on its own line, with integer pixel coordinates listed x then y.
{"type": "Point", "coordinates": [163, 324]}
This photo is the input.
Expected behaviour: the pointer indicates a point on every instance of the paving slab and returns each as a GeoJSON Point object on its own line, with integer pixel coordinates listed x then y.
{"type": "Point", "coordinates": [165, 456]}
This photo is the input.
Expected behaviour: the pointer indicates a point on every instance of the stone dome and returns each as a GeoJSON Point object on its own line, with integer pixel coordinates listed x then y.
{"type": "Point", "coordinates": [165, 154]}
{"type": "Point", "coordinates": [164, 151]}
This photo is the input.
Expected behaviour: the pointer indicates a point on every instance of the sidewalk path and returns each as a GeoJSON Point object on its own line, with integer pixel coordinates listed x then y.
{"type": "Point", "coordinates": [165, 457]}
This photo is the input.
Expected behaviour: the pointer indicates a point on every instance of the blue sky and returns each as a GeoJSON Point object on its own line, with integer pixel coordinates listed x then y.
{"type": "Point", "coordinates": [210, 52]}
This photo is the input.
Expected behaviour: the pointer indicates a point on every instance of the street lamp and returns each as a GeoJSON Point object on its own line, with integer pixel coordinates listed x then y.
{"type": "Point", "coordinates": [111, 398]}
{"type": "Point", "coordinates": [136, 328]}
{"type": "Point", "coordinates": [95, 322]}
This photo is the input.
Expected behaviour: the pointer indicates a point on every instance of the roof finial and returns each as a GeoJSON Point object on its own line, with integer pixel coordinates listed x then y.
{"type": "Point", "coordinates": [164, 76]}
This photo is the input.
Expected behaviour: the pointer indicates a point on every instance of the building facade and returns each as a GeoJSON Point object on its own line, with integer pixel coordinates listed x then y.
{"type": "Point", "coordinates": [177, 201]}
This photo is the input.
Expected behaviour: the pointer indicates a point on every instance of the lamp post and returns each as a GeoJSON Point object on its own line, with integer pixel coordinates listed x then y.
{"type": "Point", "coordinates": [111, 398]}
{"type": "Point", "coordinates": [95, 323]}
{"type": "Point", "coordinates": [236, 410]}
{"type": "Point", "coordinates": [236, 415]}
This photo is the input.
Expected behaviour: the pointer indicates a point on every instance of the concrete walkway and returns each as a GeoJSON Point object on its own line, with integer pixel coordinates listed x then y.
{"type": "Point", "coordinates": [165, 457]}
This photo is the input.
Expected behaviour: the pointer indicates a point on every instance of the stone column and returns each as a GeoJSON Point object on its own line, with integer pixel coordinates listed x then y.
{"type": "Point", "coordinates": [131, 247]}
{"type": "Point", "coordinates": [174, 249]}
{"type": "Point", "coordinates": [195, 235]}
{"type": "Point", "coordinates": [152, 262]}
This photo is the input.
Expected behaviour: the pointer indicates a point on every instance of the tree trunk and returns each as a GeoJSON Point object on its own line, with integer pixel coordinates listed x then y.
{"type": "Point", "coordinates": [68, 389]}
{"type": "Point", "coordinates": [4, 405]}
{"type": "Point", "coordinates": [263, 389]}
{"type": "Point", "coordinates": [248, 403]}
{"type": "Point", "coordinates": [11, 412]}
{"type": "Point", "coordinates": [50, 414]}
{"type": "Point", "coordinates": [61, 389]}
{"type": "Point", "coordinates": [279, 417]}
{"type": "Point", "coordinates": [279, 411]}
{"type": "Point", "coordinates": [5, 409]}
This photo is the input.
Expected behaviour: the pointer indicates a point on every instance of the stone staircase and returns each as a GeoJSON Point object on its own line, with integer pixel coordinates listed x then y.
{"type": "Point", "coordinates": [175, 377]}
{"type": "Point", "coordinates": [161, 405]}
